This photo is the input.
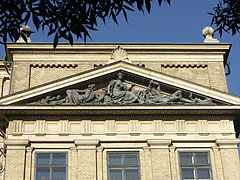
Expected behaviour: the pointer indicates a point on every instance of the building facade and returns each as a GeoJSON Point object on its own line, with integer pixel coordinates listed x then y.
{"type": "Point", "coordinates": [118, 112]}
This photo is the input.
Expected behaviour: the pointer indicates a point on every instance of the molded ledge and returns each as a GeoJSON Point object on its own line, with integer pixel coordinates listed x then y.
{"type": "Point", "coordinates": [159, 143]}
{"type": "Point", "coordinates": [228, 143]}
{"type": "Point", "coordinates": [86, 143]}
{"type": "Point", "coordinates": [16, 142]}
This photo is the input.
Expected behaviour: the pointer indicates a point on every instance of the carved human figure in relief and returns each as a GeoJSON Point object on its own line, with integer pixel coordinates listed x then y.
{"type": "Point", "coordinates": [120, 93]}
{"type": "Point", "coordinates": [76, 96]}
{"type": "Point", "coordinates": [155, 90]}
{"type": "Point", "coordinates": [156, 96]}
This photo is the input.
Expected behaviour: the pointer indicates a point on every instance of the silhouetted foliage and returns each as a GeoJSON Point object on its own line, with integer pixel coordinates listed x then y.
{"type": "Point", "coordinates": [226, 16]}
{"type": "Point", "coordinates": [65, 18]}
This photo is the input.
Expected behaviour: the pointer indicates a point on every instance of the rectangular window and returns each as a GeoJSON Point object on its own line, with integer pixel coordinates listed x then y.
{"type": "Point", "coordinates": [195, 166]}
{"type": "Point", "coordinates": [51, 166]}
{"type": "Point", "coordinates": [123, 166]}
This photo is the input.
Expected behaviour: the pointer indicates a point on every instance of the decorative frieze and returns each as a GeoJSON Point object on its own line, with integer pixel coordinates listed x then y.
{"type": "Point", "coordinates": [184, 65]}
{"type": "Point", "coordinates": [225, 127]}
{"type": "Point", "coordinates": [63, 127]}
{"type": "Point", "coordinates": [121, 127]}
{"type": "Point", "coordinates": [181, 127]}
{"type": "Point", "coordinates": [110, 127]}
{"type": "Point", "coordinates": [40, 127]}
{"type": "Point", "coordinates": [134, 128]}
{"type": "Point", "coordinates": [87, 130]}
{"type": "Point", "coordinates": [158, 127]}
{"type": "Point", "coordinates": [18, 127]}
{"type": "Point", "coordinates": [54, 65]}
{"type": "Point", "coordinates": [203, 127]}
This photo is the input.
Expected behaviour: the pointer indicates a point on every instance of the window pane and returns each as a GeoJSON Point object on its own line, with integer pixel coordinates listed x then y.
{"type": "Point", "coordinates": [131, 159]}
{"type": "Point", "coordinates": [131, 174]}
{"type": "Point", "coordinates": [187, 173]}
{"type": "Point", "coordinates": [201, 158]}
{"type": "Point", "coordinates": [186, 158]}
{"type": "Point", "coordinates": [115, 174]}
{"type": "Point", "coordinates": [43, 159]}
{"type": "Point", "coordinates": [203, 173]}
{"type": "Point", "coordinates": [43, 173]}
{"type": "Point", "coordinates": [59, 173]}
{"type": "Point", "coordinates": [59, 158]}
{"type": "Point", "coordinates": [115, 159]}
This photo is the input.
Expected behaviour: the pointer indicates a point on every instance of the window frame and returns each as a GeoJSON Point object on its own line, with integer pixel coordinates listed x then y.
{"type": "Point", "coordinates": [195, 166]}
{"type": "Point", "coordinates": [51, 166]}
{"type": "Point", "coordinates": [123, 166]}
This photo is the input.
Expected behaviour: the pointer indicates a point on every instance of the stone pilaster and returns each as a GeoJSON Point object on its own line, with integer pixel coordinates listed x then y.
{"type": "Point", "coordinates": [161, 169]}
{"type": "Point", "coordinates": [147, 164]}
{"type": "Point", "coordinates": [73, 167]}
{"type": "Point", "coordinates": [87, 163]}
{"type": "Point", "coordinates": [28, 166]}
{"type": "Point", "coordinates": [15, 160]}
{"type": "Point", "coordinates": [217, 168]}
{"type": "Point", "coordinates": [173, 163]}
{"type": "Point", "coordinates": [100, 163]}
{"type": "Point", "coordinates": [229, 158]}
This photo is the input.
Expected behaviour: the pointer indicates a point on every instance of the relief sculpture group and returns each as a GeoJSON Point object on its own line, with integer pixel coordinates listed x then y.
{"type": "Point", "coordinates": [117, 92]}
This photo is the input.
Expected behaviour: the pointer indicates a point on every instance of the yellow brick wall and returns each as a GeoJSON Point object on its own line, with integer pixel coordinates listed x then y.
{"type": "Point", "coordinates": [15, 163]}
{"type": "Point", "coordinates": [160, 164]}
{"type": "Point", "coordinates": [87, 164]}
{"type": "Point", "coordinates": [210, 74]}
{"type": "Point", "coordinates": [30, 74]}
{"type": "Point", "coordinates": [230, 163]}
{"type": "Point", "coordinates": [217, 76]}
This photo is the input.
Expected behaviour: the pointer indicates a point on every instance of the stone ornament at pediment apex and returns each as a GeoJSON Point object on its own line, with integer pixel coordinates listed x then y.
{"type": "Point", "coordinates": [119, 54]}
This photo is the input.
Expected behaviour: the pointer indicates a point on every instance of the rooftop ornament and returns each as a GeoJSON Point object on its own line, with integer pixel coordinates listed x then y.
{"type": "Point", "coordinates": [119, 54]}
{"type": "Point", "coordinates": [25, 33]}
{"type": "Point", "coordinates": [208, 33]}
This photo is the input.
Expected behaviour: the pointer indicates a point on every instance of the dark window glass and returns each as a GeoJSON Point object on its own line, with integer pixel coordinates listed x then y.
{"type": "Point", "coordinates": [115, 159]}
{"type": "Point", "coordinates": [51, 166]}
{"type": "Point", "coordinates": [203, 173]}
{"type": "Point", "coordinates": [131, 174]}
{"type": "Point", "coordinates": [115, 174]}
{"type": "Point", "coordinates": [123, 166]}
{"type": "Point", "coordinates": [201, 158]}
{"type": "Point", "coordinates": [43, 173]}
{"type": "Point", "coordinates": [43, 159]}
{"type": "Point", "coordinates": [59, 158]}
{"type": "Point", "coordinates": [131, 159]}
{"type": "Point", "coordinates": [186, 158]}
{"type": "Point", "coordinates": [188, 173]}
{"type": "Point", "coordinates": [195, 166]}
{"type": "Point", "coordinates": [59, 173]}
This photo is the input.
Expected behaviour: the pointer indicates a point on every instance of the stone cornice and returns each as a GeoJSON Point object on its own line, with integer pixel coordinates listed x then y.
{"type": "Point", "coordinates": [74, 112]}
{"type": "Point", "coordinates": [107, 48]}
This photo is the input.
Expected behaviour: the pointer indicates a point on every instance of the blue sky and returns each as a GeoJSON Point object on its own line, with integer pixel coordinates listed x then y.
{"type": "Point", "coordinates": [182, 22]}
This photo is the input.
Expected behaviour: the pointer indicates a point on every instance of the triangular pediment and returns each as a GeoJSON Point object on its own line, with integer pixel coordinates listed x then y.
{"type": "Point", "coordinates": [150, 87]}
